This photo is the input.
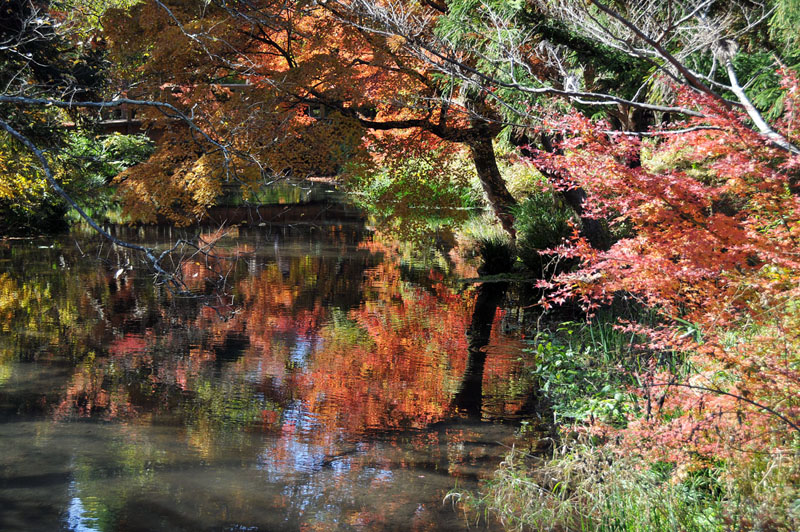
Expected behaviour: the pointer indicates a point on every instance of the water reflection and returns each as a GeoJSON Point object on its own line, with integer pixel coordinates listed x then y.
{"type": "Point", "coordinates": [78, 517]}
{"type": "Point", "coordinates": [333, 399]}
{"type": "Point", "coordinates": [469, 397]}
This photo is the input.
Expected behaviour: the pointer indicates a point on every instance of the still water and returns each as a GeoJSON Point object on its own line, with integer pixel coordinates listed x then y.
{"type": "Point", "coordinates": [341, 383]}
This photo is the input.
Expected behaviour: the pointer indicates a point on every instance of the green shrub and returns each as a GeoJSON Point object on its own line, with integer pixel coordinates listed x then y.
{"type": "Point", "coordinates": [579, 371]}
{"type": "Point", "coordinates": [84, 166]}
{"type": "Point", "coordinates": [415, 194]}
{"type": "Point", "coordinates": [542, 222]}
{"type": "Point", "coordinates": [88, 165]}
{"type": "Point", "coordinates": [43, 215]}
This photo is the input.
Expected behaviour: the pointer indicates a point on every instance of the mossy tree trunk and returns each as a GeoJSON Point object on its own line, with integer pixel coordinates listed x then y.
{"type": "Point", "coordinates": [493, 184]}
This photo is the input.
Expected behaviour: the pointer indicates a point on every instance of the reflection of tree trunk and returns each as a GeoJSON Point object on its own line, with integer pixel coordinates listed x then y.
{"type": "Point", "coordinates": [469, 397]}
{"type": "Point", "coordinates": [494, 186]}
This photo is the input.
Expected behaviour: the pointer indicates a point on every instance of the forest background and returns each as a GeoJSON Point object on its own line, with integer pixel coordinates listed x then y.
{"type": "Point", "coordinates": [638, 160]}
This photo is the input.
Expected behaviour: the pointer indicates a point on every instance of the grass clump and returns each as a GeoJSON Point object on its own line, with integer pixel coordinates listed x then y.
{"type": "Point", "coordinates": [542, 223]}
{"type": "Point", "coordinates": [483, 238]}
{"type": "Point", "coordinates": [595, 488]}
{"type": "Point", "coordinates": [542, 220]}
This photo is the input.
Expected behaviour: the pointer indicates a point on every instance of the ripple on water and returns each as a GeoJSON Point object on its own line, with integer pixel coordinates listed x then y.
{"type": "Point", "coordinates": [326, 402]}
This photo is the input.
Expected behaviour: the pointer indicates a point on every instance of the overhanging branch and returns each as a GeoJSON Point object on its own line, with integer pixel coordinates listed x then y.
{"type": "Point", "coordinates": [149, 253]}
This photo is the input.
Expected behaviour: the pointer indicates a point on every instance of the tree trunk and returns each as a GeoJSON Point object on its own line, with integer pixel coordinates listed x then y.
{"type": "Point", "coordinates": [494, 186]}
{"type": "Point", "coordinates": [594, 230]}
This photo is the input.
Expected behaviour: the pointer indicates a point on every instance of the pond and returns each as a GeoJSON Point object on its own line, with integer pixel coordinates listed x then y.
{"type": "Point", "coordinates": [342, 383]}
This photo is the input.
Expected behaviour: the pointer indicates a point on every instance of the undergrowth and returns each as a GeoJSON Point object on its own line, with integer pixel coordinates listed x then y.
{"type": "Point", "coordinates": [589, 372]}
{"type": "Point", "coordinates": [595, 488]}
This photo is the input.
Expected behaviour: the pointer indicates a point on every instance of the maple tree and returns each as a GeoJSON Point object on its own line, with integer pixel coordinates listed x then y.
{"type": "Point", "coordinates": [422, 73]}
{"type": "Point", "coordinates": [626, 59]}
{"type": "Point", "coordinates": [293, 58]}
{"type": "Point", "coordinates": [712, 219]}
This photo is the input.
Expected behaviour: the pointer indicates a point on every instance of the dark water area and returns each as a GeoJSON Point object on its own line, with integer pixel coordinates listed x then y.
{"type": "Point", "coordinates": [351, 385]}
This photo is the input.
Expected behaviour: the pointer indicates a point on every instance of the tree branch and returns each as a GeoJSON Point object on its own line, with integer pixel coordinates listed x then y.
{"type": "Point", "coordinates": [454, 67]}
{"type": "Point", "coordinates": [685, 72]}
{"type": "Point", "coordinates": [51, 180]}
{"type": "Point", "coordinates": [765, 408]}
{"type": "Point", "coordinates": [775, 138]}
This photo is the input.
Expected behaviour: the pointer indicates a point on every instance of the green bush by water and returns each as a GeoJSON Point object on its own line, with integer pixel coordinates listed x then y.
{"type": "Point", "coordinates": [90, 164]}
{"type": "Point", "coordinates": [579, 371]}
{"type": "Point", "coordinates": [84, 165]}
{"type": "Point", "coordinates": [414, 196]}
{"type": "Point", "coordinates": [542, 222]}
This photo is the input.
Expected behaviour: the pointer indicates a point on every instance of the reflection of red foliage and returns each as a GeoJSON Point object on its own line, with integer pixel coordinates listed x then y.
{"type": "Point", "coordinates": [393, 361]}
{"type": "Point", "coordinates": [129, 345]}
{"type": "Point", "coordinates": [404, 370]}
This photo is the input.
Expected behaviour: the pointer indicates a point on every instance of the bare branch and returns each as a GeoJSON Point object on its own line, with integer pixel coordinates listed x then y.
{"type": "Point", "coordinates": [665, 132]}
{"type": "Point", "coordinates": [51, 180]}
{"type": "Point", "coordinates": [395, 22]}
{"type": "Point", "coordinates": [774, 137]}
{"type": "Point", "coordinates": [685, 72]}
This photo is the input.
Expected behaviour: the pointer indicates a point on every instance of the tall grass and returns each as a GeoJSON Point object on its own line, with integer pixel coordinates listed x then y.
{"type": "Point", "coordinates": [542, 223]}
{"type": "Point", "coordinates": [587, 488]}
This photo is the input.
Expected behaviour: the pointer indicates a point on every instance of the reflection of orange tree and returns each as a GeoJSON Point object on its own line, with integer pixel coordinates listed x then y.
{"type": "Point", "coordinates": [270, 304]}
{"type": "Point", "coordinates": [395, 361]}
{"type": "Point", "coordinates": [323, 349]}
{"type": "Point", "coordinates": [398, 372]}
{"type": "Point", "coordinates": [391, 361]}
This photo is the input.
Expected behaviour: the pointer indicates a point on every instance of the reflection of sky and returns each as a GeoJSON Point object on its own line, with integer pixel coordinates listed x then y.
{"type": "Point", "coordinates": [383, 475]}
{"type": "Point", "coordinates": [303, 348]}
{"type": "Point", "coordinates": [289, 454]}
{"type": "Point", "coordinates": [299, 354]}
{"type": "Point", "coordinates": [289, 459]}
{"type": "Point", "coordinates": [318, 483]}
{"type": "Point", "coordinates": [298, 417]}
{"type": "Point", "coordinates": [77, 520]}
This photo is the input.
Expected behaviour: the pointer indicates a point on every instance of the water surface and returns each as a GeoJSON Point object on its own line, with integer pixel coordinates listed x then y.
{"type": "Point", "coordinates": [342, 383]}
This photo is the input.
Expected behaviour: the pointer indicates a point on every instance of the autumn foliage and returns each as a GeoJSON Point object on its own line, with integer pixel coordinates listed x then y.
{"type": "Point", "coordinates": [708, 228]}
